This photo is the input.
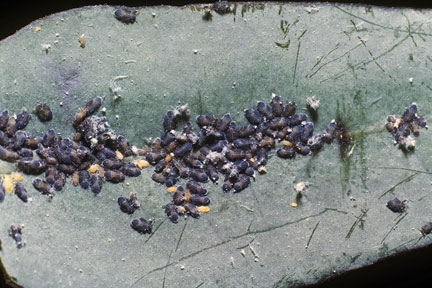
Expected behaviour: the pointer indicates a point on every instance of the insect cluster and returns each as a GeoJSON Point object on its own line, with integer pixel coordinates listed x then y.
{"type": "Point", "coordinates": [402, 127]}
{"type": "Point", "coordinates": [93, 154]}
{"type": "Point", "coordinates": [223, 147]}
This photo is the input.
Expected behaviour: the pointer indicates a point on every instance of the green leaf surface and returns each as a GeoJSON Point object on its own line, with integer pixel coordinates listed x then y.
{"type": "Point", "coordinates": [357, 61]}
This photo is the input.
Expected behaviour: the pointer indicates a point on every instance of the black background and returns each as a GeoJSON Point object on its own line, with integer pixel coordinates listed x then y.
{"type": "Point", "coordinates": [413, 269]}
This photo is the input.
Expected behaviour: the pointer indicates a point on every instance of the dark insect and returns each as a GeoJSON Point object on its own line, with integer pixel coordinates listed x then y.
{"type": "Point", "coordinates": [159, 177]}
{"type": "Point", "coordinates": [277, 105]}
{"type": "Point", "coordinates": [123, 146]}
{"type": "Point", "coordinates": [253, 116]}
{"type": "Point", "coordinates": [60, 181]}
{"type": "Point", "coordinates": [286, 152]}
{"type": "Point", "coordinates": [4, 118]}
{"type": "Point", "coordinates": [199, 200]}
{"type": "Point", "coordinates": [67, 169]}
{"type": "Point", "coordinates": [224, 122]}
{"type": "Point", "coordinates": [181, 167]}
{"type": "Point", "coordinates": [114, 176]}
{"type": "Point", "coordinates": [142, 225]}
{"type": "Point", "coordinates": [169, 122]}
{"type": "Point", "coordinates": [246, 131]}
{"type": "Point", "coordinates": [84, 179]}
{"type": "Point", "coordinates": [426, 229]}
{"type": "Point", "coordinates": [48, 138]}
{"type": "Point", "coordinates": [154, 156]}
{"type": "Point", "coordinates": [396, 205]}
{"type": "Point", "coordinates": [170, 181]}
{"type": "Point", "coordinates": [160, 165]}
{"type": "Point", "coordinates": [11, 127]}
{"type": "Point", "coordinates": [198, 175]}
{"type": "Point", "coordinates": [87, 110]}
{"type": "Point", "coordinates": [265, 110]}
{"type": "Point", "coordinates": [183, 150]}
{"type": "Point", "coordinates": [267, 142]}
{"type": "Point", "coordinates": [212, 173]}
{"type": "Point", "coordinates": [32, 166]}
{"type": "Point", "coordinates": [241, 183]}
{"type": "Point", "coordinates": [128, 205]}
{"type": "Point", "coordinates": [206, 120]}
{"type": "Point", "coordinates": [171, 211]}
{"type": "Point", "coordinates": [32, 142]}
{"type": "Point", "coordinates": [19, 140]}
{"type": "Point", "coordinates": [222, 7]}
{"type": "Point", "coordinates": [227, 186]}
{"type": "Point", "coordinates": [192, 161]}
{"type": "Point", "coordinates": [131, 170]}
{"type": "Point", "coordinates": [95, 183]}
{"type": "Point", "coordinates": [196, 188]}
{"type": "Point", "coordinates": [15, 231]}
{"type": "Point", "coordinates": [21, 192]}
{"type": "Point", "coordinates": [112, 164]}
{"type": "Point", "coordinates": [51, 175]}
{"type": "Point", "coordinates": [192, 210]}
{"type": "Point", "coordinates": [42, 186]}
{"type": "Point", "coordinates": [24, 152]}
{"type": "Point", "coordinates": [22, 120]}
{"type": "Point", "coordinates": [126, 15]}
{"type": "Point", "coordinates": [289, 109]}
{"type": "Point", "coordinates": [234, 155]}
{"type": "Point", "coordinates": [262, 157]}
{"type": "Point", "coordinates": [4, 139]}
{"type": "Point", "coordinates": [278, 123]}
{"type": "Point", "coordinates": [43, 112]}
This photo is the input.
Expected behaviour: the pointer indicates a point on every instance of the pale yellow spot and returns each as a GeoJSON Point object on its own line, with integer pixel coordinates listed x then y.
{"type": "Point", "coordinates": [203, 209]}
{"type": "Point", "coordinates": [181, 210]}
{"type": "Point", "coordinates": [294, 204]}
{"type": "Point", "coordinates": [119, 155]}
{"type": "Point", "coordinates": [17, 176]}
{"type": "Point", "coordinates": [168, 158]}
{"type": "Point", "coordinates": [93, 168]}
{"type": "Point", "coordinates": [287, 143]}
{"type": "Point", "coordinates": [252, 160]}
{"type": "Point", "coordinates": [172, 189]}
{"type": "Point", "coordinates": [142, 163]}
{"type": "Point", "coordinates": [37, 29]}
{"type": "Point", "coordinates": [8, 183]}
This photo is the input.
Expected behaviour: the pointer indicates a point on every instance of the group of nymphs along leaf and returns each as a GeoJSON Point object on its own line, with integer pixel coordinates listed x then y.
{"type": "Point", "coordinates": [95, 153]}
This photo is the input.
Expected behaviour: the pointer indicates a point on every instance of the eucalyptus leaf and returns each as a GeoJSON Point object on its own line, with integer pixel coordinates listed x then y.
{"type": "Point", "coordinates": [361, 63]}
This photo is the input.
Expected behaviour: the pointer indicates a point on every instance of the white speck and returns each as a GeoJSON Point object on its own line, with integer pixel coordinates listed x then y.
{"type": "Point", "coordinates": [61, 104]}
{"type": "Point", "coordinates": [182, 267]}
{"type": "Point", "coordinates": [109, 240]}
{"type": "Point", "coordinates": [232, 261]}
{"type": "Point", "coordinates": [103, 110]}
{"type": "Point", "coordinates": [313, 103]}
{"type": "Point", "coordinates": [242, 252]}
{"type": "Point", "coordinates": [47, 215]}
{"type": "Point", "coordinates": [46, 47]}
{"type": "Point", "coordinates": [153, 14]}
{"type": "Point", "coordinates": [56, 42]}
{"type": "Point", "coordinates": [81, 271]}
{"type": "Point", "coordinates": [299, 187]}
{"type": "Point", "coordinates": [411, 80]}
{"type": "Point", "coordinates": [156, 26]}
{"type": "Point", "coordinates": [123, 259]}
{"type": "Point", "coordinates": [76, 247]}
{"type": "Point", "coordinates": [195, 51]}
{"type": "Point", "coordinates": [57, 34]}
{"type": "Point", "coordinates": [117, 117]}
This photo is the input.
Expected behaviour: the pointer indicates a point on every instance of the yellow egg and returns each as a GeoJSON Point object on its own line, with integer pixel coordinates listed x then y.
{"type": "Point", "coordinates": [8, 183]}
{"type": "Point", "coordinates": [17, 176]}
{"type": "Point", "coordinates": [172, 189]}
{"type": "Point", "coordinates": [93, 168]}
{"type": "Point", "coordinates": [142, 164]}
{"type": "Point", "coordinates": [203, 209]}
{"type": "Point", "coordinates": [119, 155]}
